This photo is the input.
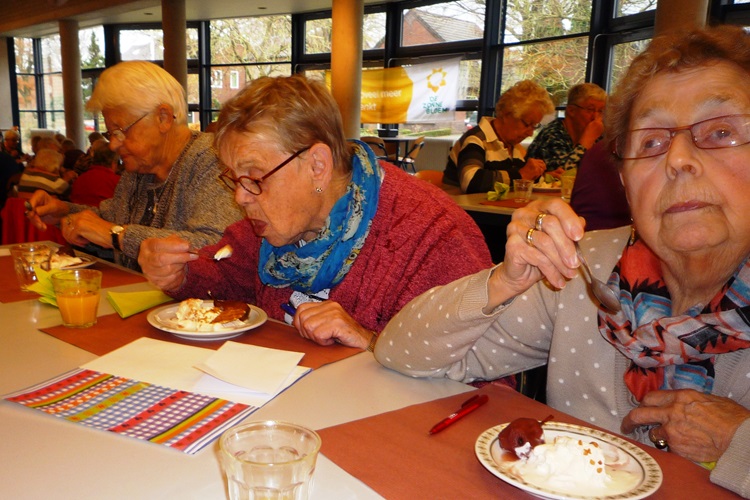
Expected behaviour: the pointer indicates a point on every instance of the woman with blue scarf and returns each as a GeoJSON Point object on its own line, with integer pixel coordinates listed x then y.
{"type": "Point", "coordinates": [333, 242]}
{"type": "Point", "coordinates": [669, 363]}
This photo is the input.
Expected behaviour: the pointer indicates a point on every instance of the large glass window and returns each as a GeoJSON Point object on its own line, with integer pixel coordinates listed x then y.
{"type": "Point", "coordinates": [532, 20]}
{"type": "Point", "coordinates": [443, 22]}
{"type": "Point", "coordinates": [629, 7]}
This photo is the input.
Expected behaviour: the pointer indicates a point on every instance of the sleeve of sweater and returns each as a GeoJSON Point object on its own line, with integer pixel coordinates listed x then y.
{"type": "Point", "coordinates": [444, 333]}
{"type": "Point", "coordinates": [732, 471]}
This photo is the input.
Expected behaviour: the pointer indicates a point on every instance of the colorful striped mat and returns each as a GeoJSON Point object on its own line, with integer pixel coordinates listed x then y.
{"type": "Point", "coordinates": [182, 420]}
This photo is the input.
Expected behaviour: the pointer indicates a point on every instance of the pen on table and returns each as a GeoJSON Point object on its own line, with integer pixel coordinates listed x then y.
{"type": "Point", "coordinates": [467, 407]}
{"type": "Point", "coordinates": [289, 309]}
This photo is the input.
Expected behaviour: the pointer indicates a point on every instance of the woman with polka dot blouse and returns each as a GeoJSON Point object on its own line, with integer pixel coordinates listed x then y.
{"type": "Point", "coordinates": [672, 367]}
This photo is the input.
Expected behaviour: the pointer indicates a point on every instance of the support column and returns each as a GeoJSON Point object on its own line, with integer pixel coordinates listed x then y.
{"type": "Point", "coordinates": [346, 62]}
{"type": "Point", "coordinates": [174, 26]}
{"type": "Point", "coordinates": [675, 15]}
{"type": "Point", "coordinates": [70, 53]}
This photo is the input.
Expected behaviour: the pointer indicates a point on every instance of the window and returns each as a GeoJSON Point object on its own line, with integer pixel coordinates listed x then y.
{"type": "Point", "coordinates": [234, 79]}
{"type": "Point", "coordinates": [629, 7]}
{"type": "Point", "coordinates": [443, 22]}
{"type": "Point", "coordinates": [217, 79]}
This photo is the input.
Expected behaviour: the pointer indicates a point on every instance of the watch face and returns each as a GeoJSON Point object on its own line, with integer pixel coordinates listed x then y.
{"type": "Point", "coordinates": [117, 229]}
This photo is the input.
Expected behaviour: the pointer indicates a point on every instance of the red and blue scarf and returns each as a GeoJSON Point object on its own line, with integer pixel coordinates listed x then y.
{"type": "Point", "coordinates": [672, 352]}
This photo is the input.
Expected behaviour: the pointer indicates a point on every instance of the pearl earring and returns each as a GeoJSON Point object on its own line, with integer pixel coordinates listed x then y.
{"type": "Point", "coordinates": [318, 189]}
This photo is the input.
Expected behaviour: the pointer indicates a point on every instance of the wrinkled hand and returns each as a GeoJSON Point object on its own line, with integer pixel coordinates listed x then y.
{"type": "Point", "coordinates": [85, 227]}
{"type": "Point", "coordinates": [556, 173]}
{"type": "Point", "coordinates": [326, 323]}
{"type": "Point", "coordinates": [163, 261]}
{"type": "Point", "coordinates": [533, 169]}
{"type": "Point", "coordinates": [45, 209]}
{"type": "Point", "coordinates": [552, 256]}
{"type": "Point", "coordinates": [697, 426]}
{"type": "Point", "coordinates": [592, 133]}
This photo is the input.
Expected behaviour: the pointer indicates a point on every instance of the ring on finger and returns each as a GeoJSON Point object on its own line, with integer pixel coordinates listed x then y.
{"type": "Point", "coordinates": [539, 220]}
{"type": "Point", "coordinates": [530, 237]}
{"type": "Point", "coordinates": [659, 443]}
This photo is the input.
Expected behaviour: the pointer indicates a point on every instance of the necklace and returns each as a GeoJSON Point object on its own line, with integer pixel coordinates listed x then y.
{"type": "Point", "coordinates": [163, 188]}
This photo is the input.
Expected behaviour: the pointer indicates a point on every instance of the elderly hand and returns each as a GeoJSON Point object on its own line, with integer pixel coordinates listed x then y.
{"type": "Point", "coordinates": [539, 245]}
{"type": "Point", "coordinates": [163, 261]}
{"type": "Point", "coordinates": [85, 227]}
{"type": "Point", "coordinates": [326, 323]}
{"type": "Point", "coordinates": [592, 133]}
{"type": "Point", "coordinates": [696, 426]}
{"type": "Point", "coordinates": [533, 169]}
{"type": "Point", "coordinates": [46, 209]}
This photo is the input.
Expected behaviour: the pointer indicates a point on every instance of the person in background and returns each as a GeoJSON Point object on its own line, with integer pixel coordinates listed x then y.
{"type": "Point", "coordinates": [562, 142]}
{"type": "Point", "coordinates": [598, 194]}
{"type": "Point", "coordinates": [84, 161]}
{"type": "Point", "coordinates": [171, 184]}
{"type": "Point", "coordinates": [71, 153]}
{"type": "Point", "coordinates": [44, 174]}
{"type": "Point", "coordinates": [10, 171]}
{"type": "Point", "coordinates": [11, 145]}
{"type": "Point", "coordinates": [670, 368]}
{"type": "Point", "coordinates": [492, 152]}
{"type": "Point", "coordinates": [333, 242]}
{"type": "Point", "coordinates": [98, 183]}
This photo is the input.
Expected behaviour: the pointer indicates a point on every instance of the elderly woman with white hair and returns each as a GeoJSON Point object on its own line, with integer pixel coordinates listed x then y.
{"type": "Point", "coordinates": [170, 185]}
{"type": "Point", "coordinates": [44, 174]}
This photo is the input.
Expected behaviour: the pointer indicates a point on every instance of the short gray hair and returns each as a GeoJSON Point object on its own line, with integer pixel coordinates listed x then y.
{"type": "Point", "coordinates": [48, 160]}
{"type": "Point", "coordinates": [139, 87]}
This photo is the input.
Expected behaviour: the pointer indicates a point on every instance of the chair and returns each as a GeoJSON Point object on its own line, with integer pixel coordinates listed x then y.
{"type": "Point", "coordinates": [407, 162]}
{"type": "Point", "coordinates": [378, 147]}
{"type": "Point", "coordinates": [18, 229]}
{"type": "Point", "coordinates": [432, 176]}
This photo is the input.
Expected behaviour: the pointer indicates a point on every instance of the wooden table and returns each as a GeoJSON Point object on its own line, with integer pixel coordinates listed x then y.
{"type": "Point", "coordinates": [401, 143]}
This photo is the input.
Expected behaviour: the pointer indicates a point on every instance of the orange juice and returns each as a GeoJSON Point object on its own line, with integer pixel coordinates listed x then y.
{"type": "Point", "coordinates": [78, 308]}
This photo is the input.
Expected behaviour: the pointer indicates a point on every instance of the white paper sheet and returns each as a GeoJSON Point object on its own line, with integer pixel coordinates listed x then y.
{"type": "Point", "coordinates": [173, 365]}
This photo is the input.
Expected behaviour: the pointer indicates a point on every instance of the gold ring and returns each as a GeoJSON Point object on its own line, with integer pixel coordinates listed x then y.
{"type": "Point", "coordinates": [660, 444]}
{"type": "Point", "coordinates": [539, 220]}
{"type": "Point", "coordinates": [530, 237]}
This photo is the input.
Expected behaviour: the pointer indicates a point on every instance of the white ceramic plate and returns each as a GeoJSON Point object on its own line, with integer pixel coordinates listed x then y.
{"type": "Point", "coordinates": [637, 477]}
{"type": "Point", "coordinates": [163, 318]}
{"type": "Point", "coordinates": [87, 262]}
{"type": "Point", "coordinates": [545, 189]}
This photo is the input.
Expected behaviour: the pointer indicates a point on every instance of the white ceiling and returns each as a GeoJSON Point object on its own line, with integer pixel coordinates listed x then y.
{"type": "Point", "coordinates": [147, 11]}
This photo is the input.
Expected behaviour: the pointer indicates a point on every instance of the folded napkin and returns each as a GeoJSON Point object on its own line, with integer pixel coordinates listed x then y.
{"type": "Point", "coordinates": [500, 192]}
{"type": "Point", "coordinates": [130, 303]}
{"type": "Point", "coordinates": [43, 286]}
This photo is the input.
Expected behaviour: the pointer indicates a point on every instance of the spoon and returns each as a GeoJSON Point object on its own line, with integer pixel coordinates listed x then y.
{"type": "Point", "coordinates": [604, 294]}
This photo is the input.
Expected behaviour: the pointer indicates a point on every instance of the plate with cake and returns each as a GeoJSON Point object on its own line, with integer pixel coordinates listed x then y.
{"type": "Point", "coordinates": [568, 461]}
{"type": "Point", "coordinates": [64, 261]}
{"type": "Point", "coordinates": [196, 319]}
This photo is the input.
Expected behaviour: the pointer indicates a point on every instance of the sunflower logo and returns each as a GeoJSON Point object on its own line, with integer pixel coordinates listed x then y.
{"type": "Point", "coordinates": [436, 79]}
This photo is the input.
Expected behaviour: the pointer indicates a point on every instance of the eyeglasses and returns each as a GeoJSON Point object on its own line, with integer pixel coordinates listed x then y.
{"type": "Point", "coordinates": [593, 111]}
{"type": "Point", "coordinates": [251, 184]}
{"type": "Point", "coordinates": [715, 133]}
{"type": "Point", "coordinates": [120, 133]}
{"type": "Point", "coordinates": [530, 125]}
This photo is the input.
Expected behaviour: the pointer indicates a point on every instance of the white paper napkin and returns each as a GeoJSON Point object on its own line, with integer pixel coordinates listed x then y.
{"type": "Point", "coordinates": [256, 368]}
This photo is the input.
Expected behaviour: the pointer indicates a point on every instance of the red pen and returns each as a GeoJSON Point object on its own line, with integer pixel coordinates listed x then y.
{"type": "Point", "coordinates": [467, 407]}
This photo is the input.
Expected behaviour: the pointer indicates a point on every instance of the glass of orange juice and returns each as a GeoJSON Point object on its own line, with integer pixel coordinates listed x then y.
{"type": "Point", "coordinates": [77, 294]}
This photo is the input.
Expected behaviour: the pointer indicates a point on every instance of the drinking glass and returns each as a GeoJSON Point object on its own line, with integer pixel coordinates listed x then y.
{"type": "Point", "coordinates": [77, 294]}
{"type": "Point", "coordinates": [25, 257]}
{"type": "Point", "coordinates": [269, 460]}
{"type": "Point", "coordinates": [567, 186]}
{"type": "Point", "coordinates": [522, 190]}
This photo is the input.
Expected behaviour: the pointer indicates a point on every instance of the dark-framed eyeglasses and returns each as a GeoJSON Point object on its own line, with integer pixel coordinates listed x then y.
{"type": "Point", "coordinates": [252, 184]}
{"type": "Point", "coordinates": [121, 133]}
{"type": "Point", "coordinates": [593, 111]}
{"type": "Point", "coordinates": [721, 132]}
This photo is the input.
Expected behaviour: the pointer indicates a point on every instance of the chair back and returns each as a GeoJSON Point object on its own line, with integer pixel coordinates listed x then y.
{"type": "Point", "coordinates": [416, 147]}
{"type": "Point", "coordinates": [18, 229]}
{"type": "Point", "coordinates": [377, 145]}
{"type": "Point", "coordinates": [432, 176]}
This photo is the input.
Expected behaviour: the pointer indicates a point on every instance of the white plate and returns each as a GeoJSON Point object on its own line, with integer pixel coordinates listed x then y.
{"type": "Point", "coordinates": [164, 319]}
{"type": "Point", "coordinates": [545, 189]}
{"type": "Point", "coordinates": [87, 262]}
{"type": "Point", "coordinates": [640, 471]}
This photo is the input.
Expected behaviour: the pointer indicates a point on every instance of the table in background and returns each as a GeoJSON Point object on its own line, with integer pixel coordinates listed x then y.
{"type": "Point", "coordinates": [400, 144]}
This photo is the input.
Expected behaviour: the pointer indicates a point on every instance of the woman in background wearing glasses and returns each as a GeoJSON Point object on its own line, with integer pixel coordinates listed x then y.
{"type": "Point", "coordinates": [562, 142]}
{"type": "Point", "coordinates": [492, 152]}
{"type": "Point", "coordinates": [672, 367]}
{"type": "Point", "coordinates": [169, 185]}
{"type": "Point", "coordinates": [333, 242]}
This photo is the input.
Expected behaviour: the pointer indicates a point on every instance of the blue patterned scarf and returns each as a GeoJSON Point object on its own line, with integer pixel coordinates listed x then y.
{"type": "Point", "coordinates": [667, 351]}
{"type": "Point", "coordinates": [323, 262]}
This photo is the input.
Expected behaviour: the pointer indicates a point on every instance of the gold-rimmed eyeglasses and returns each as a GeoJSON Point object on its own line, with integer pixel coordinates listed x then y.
{"type": "Point", "coordinates": [121, 133]}
{"type": "Point", "coordinates": [252, 184]}
{"type": "Point", "coordinates": [530, 125]}
{"type": "Point", "coordinates": [715, 133]}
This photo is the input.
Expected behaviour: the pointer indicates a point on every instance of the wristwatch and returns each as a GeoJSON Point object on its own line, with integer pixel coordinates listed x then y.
{"type": "Point", "coordinates": [115, 233]}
